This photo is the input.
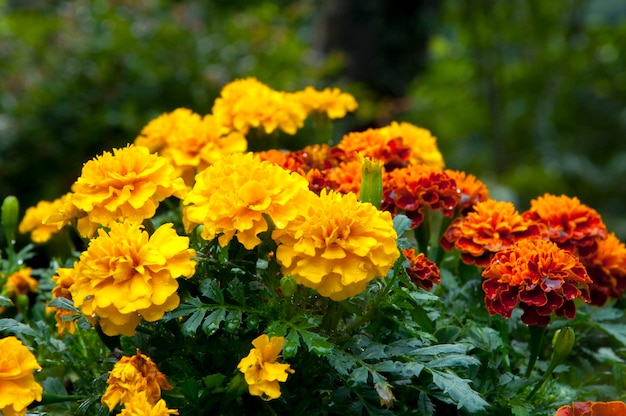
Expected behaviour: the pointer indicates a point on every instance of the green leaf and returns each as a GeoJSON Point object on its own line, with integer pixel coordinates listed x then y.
{"type": "Point", "coordinates": [277, 329]}
{"type": "Point", "coordinates": [64, 303]}
{"type": "Point", "coordinates": [520, 410]}
{"type": "Point", "coordinates": [237, 291]}
{"type": "Point", "coordinates": [453, 360]}
{"type": "Point", "coordinates": [292, 343]}
{"type": "Point", "coordinates": [214, 380]}
{"type": "Point", "coordinates": [424, 406]}
{"type": "Point", "coordinates": [211, 289]}
{"type": "Point", "coordinates": [212, 322]}
{"type": "Point", "coordinates": [193, 322]}
{"type": "Point", "coordinates": [458, 390]}
{"type": "Point", "coordinates": [315, 342]}
{"type": "Point", "coordinates": [402, 224]}
{"type": "Point", "coordinates": [617, 331]}
{"type": "Point", "coordinates": [14, 327]}
{"type": "Point", "coordinates": [341, 362]}
{"type": "Point", "coordinates": [5, 302]}
{"type": "Point", "coordinates": [359, 376]}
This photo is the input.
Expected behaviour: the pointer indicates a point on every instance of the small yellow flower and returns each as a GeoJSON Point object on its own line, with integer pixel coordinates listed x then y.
{"type": "Point", "coordinates": [127, 184]}
{"type": "Point", "coordinates": [64, 279]}
{"type": "Point", "coordinates": [139, 406]}
{"type": "Point", "coordinates": [260, 369]}
{"type": "Point", "coordinates": [190, 142]}
{"type": "Point", "coordinates": [18, 387]}
{"type": "Point", "coordinates": [337, 245]}
{"type": "Point", "coordinates": [423, 144]}
{"type": "Point", "coordinates": [331, 101]}
{"type": "Point", "coordinates": [247, 103]}
{"type": "Point", "coordinates": [132, 376]}
{"type": "Point", "coordinates": [125, 275]}
{"type": "Point", "coordinates": [47, 218]}
{"type": "Point", "coordinates": [20, 282]}
{"type": "Point", "coordinates": [231, 196]}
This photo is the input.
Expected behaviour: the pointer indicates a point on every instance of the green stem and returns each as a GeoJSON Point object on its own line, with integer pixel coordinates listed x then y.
{"type": "Point", "coordinates": [47, 398]}
{"type": "Point", "coordinates": [422, 233]}
{"type": "Point", "coordinates": [537, 335]}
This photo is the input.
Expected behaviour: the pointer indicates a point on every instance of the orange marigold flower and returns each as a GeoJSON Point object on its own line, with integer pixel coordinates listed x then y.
{"type": "Point", "coordinates": [248, 103]}
{"type": "Point", "coordinates": [132, 376]}
{"type": "Point", "coordinates": [128, 184]}
{"type": "Point", "coordinates": [231, 196]}
{"type": "Point", "coordinates": [422, 271]}
{"type": "Point", "coordinates": [331, 101]}
{"type": "Point", "coordinates": [47, 218]}
{"type": "Point", "coordinates": [471, 189]}
{"type": "Point", "coordinates": [18, 387]}
{"type": "Point", "coordinates": [423, 144]}
{"type": "Point", "coordinates": [125, 275]}
{"type": "Point", "coordinates": [64, 279]}
{"type": "Point", "coordinates": [490, 228]}
{"type": "Point", "coordinates": [537, 275]}
{"type": "Point", "coordinates": [607, 269]}
{"type": "Point", "coordinates": [137, 405]}
{"type": "Point", "coordinates": [376, 144]}
{"type": "Point", "coordinates": [573, 226]}
{"type": "Point", "coordinates": [614, 408]}
{"type": "Point", "coordinates": [20, 282]}
{"type": "Point", "coordinates": [260, 369]}
{"type": "Point", "coordinates": [408, 190]}
{"type": "Point", "coordinates": [337, 245]}
{"type": "Point", "coordinates": [190, 142]}
{"type": "Point", "coordinates": [346, 177]}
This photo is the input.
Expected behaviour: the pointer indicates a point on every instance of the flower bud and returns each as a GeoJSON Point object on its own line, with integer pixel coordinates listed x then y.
{"type": "Point", "coordinates": [288, 286]}
{"type": "Point", "coordinates": [371, 181]}
{"type": "Point", "coordinates": [563, 343]}
{"type": "Point", "coordinates": [10, 214]}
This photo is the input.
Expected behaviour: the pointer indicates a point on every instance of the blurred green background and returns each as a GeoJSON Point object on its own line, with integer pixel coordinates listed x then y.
{"type": "Point", "coordinates": [529, 96]}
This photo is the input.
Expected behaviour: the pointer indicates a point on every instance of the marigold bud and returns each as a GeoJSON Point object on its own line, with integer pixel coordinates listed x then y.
{"type": "Point", "coordinates": [288, 285]}
{"type": "Point", "coordinates": [371, 181]}
{"type": "Point", "coordinates": [10, 214]}
{"type": "Point", "coordinates": [563, 343]}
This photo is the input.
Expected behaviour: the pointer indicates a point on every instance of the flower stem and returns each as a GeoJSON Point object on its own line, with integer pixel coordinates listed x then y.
{"type": "Point", "coordinates": [537, 335]}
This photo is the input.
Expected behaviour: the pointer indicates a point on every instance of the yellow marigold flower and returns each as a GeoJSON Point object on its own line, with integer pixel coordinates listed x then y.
{"type": "Point", "coordinates": [231, 196]}
{"type": "Point", "coordinates": [572, 225]}
{"type": "Point", "coordinates": [125, 275]}
{"type": "Point", "coordinates": [20, 282]}
{"type": "Point", "coordinates": [538, 275]}
{"type": "Point", "coordinates": [260, 369]}
{"type": "Point", "coordinates": [127, 184]}
{"type": "Point", "coordinates": [490, 228]}
{"type": "Point", "coordinates": [331, 101]}
{"type": "Point", "coordinates": [18, 387]}
{"type": "Point", "coordinates": [423, 144]}
{"type": "Point", "coordinates": [247, 103]}
{"type": "Point", "coordinates": [190, 142]}
{"type": "Point", "coordinates": [376, 144]}
{"type": "Point", "coordinates": [132, 376]}
{"type": "Point", "coordinates": [47, 218]}
{"type": "Point", "coordinates": [64, 279]}
{"type": "Point", "coordinates": [337, 245]}
{"type": "Point", "coordinates": [607, 269]}
{"type": "Point", "coordinates": [139, 406]}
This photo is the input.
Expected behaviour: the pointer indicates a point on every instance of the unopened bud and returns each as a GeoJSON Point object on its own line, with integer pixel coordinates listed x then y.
{"type": "Point", "coordinates": [288, 286]}
{"type": "Point", "coordinates": [563, 343]}
{"type": "Point", "coordinates": [10, 214]}
{"type": "Point", "coordinates": [371, 181]}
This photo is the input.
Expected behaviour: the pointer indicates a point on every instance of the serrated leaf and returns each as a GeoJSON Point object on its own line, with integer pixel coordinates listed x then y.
{"type": "Point", "coordinates": [617, 331]}
{"type": "Point", "coordinates": [453, 360]}
{"type": "Point", "coordinates": [606, 314]}
{"type": "Point", "coordinates": [425, 406]}
{"type": "Point", "coordinates": [519, 410]}
{"type": "Point", "coordinates": [211, 289]}
{"type": "Point", "coordinates": [237, 291]}
{"type": "Point", "coordinates": [193, 322]}
{"type": "Point", "coordinates": [64, 303]}
{"type": "Point", "coordinates": [359, 376]}
{"type": "Point", "coordinates": [15, 327]}
{"type": "Point", "coordinates": [5, 302]}
{"type": "Point", "coordinates": [402, 224]}
{"type": "Point", "coordinates": [440, 349]}
{"type": "Point", "coordinates": [315, 342]}
{"type": "Point", "coordinates": [213, 321]}
{"type": "Point", "coordinates": [341, 362]}
{"type": "Point", "coordinates": [292, 343]}
{"type": "Point", "coordinates": [277, 329]}
{"type": "Point", "coordinates": [458, 390]}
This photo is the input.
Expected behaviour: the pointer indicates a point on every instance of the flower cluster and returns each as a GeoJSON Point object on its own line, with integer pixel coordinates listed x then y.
{"type": "Point", "coordinates": [18, 387]}
{"type": "Point", "coordinates": [136, 382]}
{"type": "Point", "coordinates": [260, 369]}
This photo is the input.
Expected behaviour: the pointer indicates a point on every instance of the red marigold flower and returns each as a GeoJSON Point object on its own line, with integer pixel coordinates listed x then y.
{"type": "Point", "coordinates": [491, 227]}
{"type": "Point", "coordinates": [572, 225]}
{"type": "Point", "coordinates": [471, 189]}
{"type": "Point", "coordinates": [537, 275]}
{"type": "Point", "coordinates": [422, 271]}
{"type": "Point", "coordinates": [607, 269]}
{"type": "Point", "coordinates": [409, 190]}
{"type": "Point", "coordinates": [614, 408]}
{"type": "Point", "coordinates": [377, 145]}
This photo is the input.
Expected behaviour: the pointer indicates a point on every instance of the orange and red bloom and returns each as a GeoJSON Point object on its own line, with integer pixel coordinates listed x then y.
{"type": "Point", "coordinates": [538, 276]}
{"type": "Point", "coordinates": [614, 408]}
{"type": "Point", "coordinates": [422, 271]}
